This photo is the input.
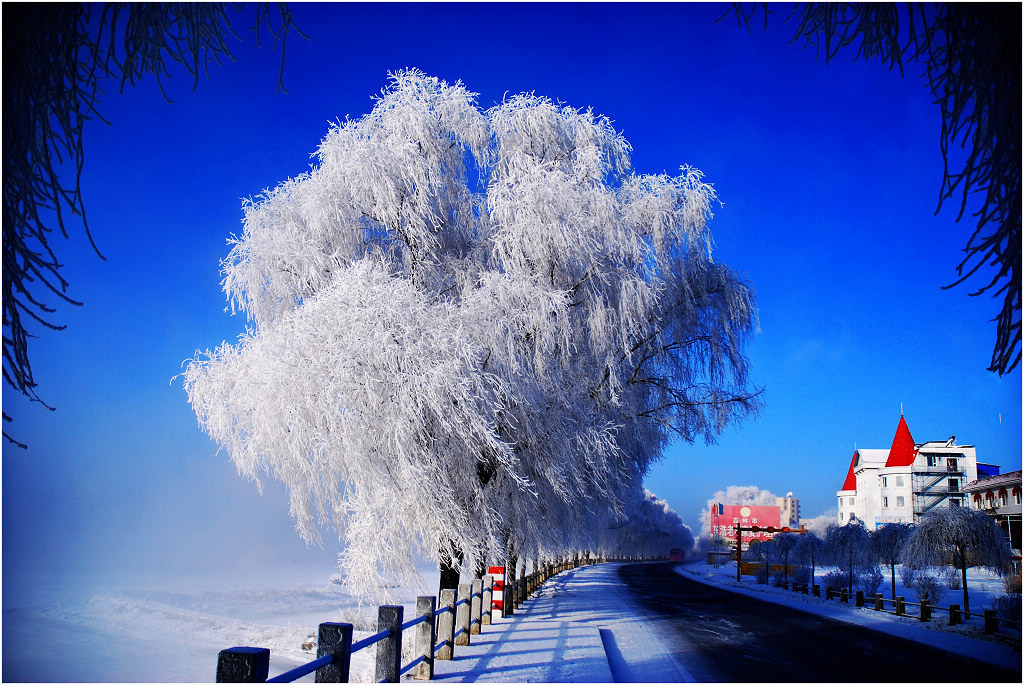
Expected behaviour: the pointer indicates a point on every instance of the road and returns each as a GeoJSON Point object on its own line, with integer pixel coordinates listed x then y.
{"type": "Point", "coordinates": [722, 636]}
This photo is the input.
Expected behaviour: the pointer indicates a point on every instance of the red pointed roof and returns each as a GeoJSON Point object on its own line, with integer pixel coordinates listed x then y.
{"type": "Point", "coordinates": [851, 480]}
{"type": "Point", "coordinates": [903, 450]}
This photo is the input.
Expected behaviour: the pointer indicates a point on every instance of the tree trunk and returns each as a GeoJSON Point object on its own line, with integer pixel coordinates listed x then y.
{"type": "Point", "coordinates": [849, 576]}
{"type": "Point", "coordinates": [450, 570]}
{"type": "Point", "coordinates": [892, 577]}
{"type": "Point", "coordinates": [963, 572]}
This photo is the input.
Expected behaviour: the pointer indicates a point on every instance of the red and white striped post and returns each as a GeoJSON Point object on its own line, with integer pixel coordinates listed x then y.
{"type": "Point", "coordinates": [498, 591]}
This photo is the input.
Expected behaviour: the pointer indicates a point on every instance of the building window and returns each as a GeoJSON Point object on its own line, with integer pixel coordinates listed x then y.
{"type": "Point", "coordinates": [851, 502]}
{"type": "Point", "coordinates": [954, 484]}
{"type": "Point", "coordinates": [885, 482]}
{"type": "Point", "coordinates": [899, 481]}
{"type": "Point", "coordinates": [1016, 496]}
{"type": "Point", "coordinates": [1002, 498]}
{"type": "Point", "coordinates": [840, 516]}
{"type": "Point", "coordinates": [933, 460]}
{"type": "Point", "coordinates": [901, 501]}
{"type": "Point", "coordinates": [885, 502]}
{"type": "Point", "coordinates": [951, 464]}
{"type": "Point", "coordinates": [988, 500]}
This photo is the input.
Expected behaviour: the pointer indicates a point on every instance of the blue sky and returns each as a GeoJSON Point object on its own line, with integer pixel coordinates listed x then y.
{"type": "Point", "coordinates": [829, 177]}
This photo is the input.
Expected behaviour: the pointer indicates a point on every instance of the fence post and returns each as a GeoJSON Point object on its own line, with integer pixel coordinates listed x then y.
{"type": "Point", "coordinates": [487, 601]}
{"type": "Point", "coordinates": [425, 636]}
{"type": "Point", "coordinates": [389, 650]}
{"type": "Point", "coordinates": [446, 626]}
{"type": "Point", "coordinates": [843, 597]}
{"type": "Point", "coordinates": [879, 603]}
{"type": "Point", "coordinates": [334, 639]}
{"type": "Point", "coordinates": [954, 614]}
{"type": "Point", "coordinates": [817, 591]}
{"type": "Point", "coordinates": [991, 622]}
{"type": "Point", "coordinates": [859, 599]}
{"type": "Point", "coordinates": [462, 615]}
{"type": "Point", "coordinates": [828, 593]}
{"type": "Point", "coordinates": [899, 606]}
{"type": "Point", "coordinates": [476, 596]}
{"type": "Point", "coordinates": [926, 610]}
{"type": "Point", "coordinates": [521, 587]}
{"type": "Point", "coordinates": [243, 665]}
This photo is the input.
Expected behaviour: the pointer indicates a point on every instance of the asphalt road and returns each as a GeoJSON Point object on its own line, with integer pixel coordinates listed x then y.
{"type": "Point", "coordinates": [722, 636]}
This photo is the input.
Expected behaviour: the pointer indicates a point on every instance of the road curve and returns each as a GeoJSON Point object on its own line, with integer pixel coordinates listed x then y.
{"type": "Point", "coordinates": [722, 636]}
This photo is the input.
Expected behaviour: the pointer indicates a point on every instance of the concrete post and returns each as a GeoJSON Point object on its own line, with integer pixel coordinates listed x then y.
{"type": "Point", "coordinates": [991, 622]}
{"type": "Point", "coordinates": [334, 639]}
{"type": "Point", "coordinates": [475, 605]}
{"type": "Point", "coordinates": [954, 614]}
{"type": "Point", "coordinates": [389, 650]}
{"type": "Point", "coordinates": [243, 665]}
{"type": "Point", "coordinates": [425, 638]}
{"type": "Point", "coordinates": [462, 615]}
{"type": "Point", "coordinates": [446, 626]}
{"type": "Point", "coordinates": [487, 601]}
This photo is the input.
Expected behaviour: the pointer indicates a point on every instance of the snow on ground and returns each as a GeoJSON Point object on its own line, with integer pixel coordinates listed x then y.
{"type": "Point", "coordinates": [581, 627]}
{"type": "Point", "coordinates": [968, 638]}
{"type": "Point", "coordinates": [171, 630]}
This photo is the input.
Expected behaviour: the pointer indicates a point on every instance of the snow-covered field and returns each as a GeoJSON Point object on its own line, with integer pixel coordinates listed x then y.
{"type": "Point", "coordinates": [162, 630]}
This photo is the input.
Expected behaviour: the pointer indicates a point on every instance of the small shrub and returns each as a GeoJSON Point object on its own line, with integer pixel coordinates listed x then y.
{"type": "Point", "coordinates": [779, 579]}
{"type": "Point", "coordinates": [951, 577]}
{"type": "Point", "coordinates": [836, 580]}
{"type": "Point", "coordinates": [801, 575]}
{"type": "Point", "coordinates": [1011, 582]}
{"type": "Point", "coordinates": [868, 580]}
{"type": "Point", "coordinates": [928, 587]}
{"type": "Point", "coordinates": [1008, 606]}
{"type": "Point", "coordinates": [907, 575]}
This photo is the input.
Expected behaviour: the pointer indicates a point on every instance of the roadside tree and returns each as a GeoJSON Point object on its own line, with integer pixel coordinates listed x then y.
{"type": "Point", "coordinates": [960, 537]}
{"type": "Point", "coordinates": [472, 331]}
{"type": "Point", "coordinates": [887, 543]}
{"type": "Point", "coordinates": [848, 548]}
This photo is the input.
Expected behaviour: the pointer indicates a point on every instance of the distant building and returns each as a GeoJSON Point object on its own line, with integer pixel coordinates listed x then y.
{"type": "Point", "coordinates": [725, 518]}
{"type": "Point", "coordinates": [906, 481]}
{"type": "Point", "coordinates": [999, 497]}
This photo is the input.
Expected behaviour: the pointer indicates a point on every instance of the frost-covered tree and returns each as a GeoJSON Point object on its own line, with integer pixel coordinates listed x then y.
{"type": "Point", "coordinates": [808, 550]}
{"type": "Point", "coordinates": [848, 548]}
{"type": "Point", "coordinates": [960, 537]}
{"type": "Point", "coordinates": [887, 542]}
{"type": "Point", "coordinates": [471, 332]}
{"type": "Point", "coordinates": [750, 495]}
{"type": "Point", "coordinates": [785, 543]}
{"type": "Point", "coordinates": [651, 530]}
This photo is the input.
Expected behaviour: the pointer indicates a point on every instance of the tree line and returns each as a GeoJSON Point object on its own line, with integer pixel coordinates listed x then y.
{"type": "Point", "coordinates": [938, 550]}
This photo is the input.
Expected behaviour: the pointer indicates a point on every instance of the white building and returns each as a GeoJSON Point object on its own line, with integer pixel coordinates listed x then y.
{"type": "Point", "coordinates": [906, 481]}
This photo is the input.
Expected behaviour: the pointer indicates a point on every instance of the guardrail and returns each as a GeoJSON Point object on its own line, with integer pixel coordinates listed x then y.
{"type": "Point", "coordinates": [439, 631]}
{"type": "Point", "coordinates": [899, 604]}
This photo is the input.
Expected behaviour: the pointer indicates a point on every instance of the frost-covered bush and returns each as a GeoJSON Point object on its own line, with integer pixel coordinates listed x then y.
{"type": "Point", "coordinates": [836, 580]}
{"type": "Point", "coordinates": [868, 580]}
{"type": "Point", "coordinates": [1011, 583]}
{"type": "Point", "coordinates": [951, 577]}
{"type": "Point", "coordinates": [1008, 606]}
{"type": "Point", "coordinates": [928, 587]}
{"type": "Point", "coordinates": [907, 575]}
{"type": "Point", "coordinates": [801, 575]}
{"type": "Point", "coordinates": [779, 580]}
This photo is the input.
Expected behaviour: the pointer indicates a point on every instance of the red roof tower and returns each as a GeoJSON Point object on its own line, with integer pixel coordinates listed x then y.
{"type": "Point", "coordinates": [904, 449]}
{"type": "Point", "coordinates": [851, 480]}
